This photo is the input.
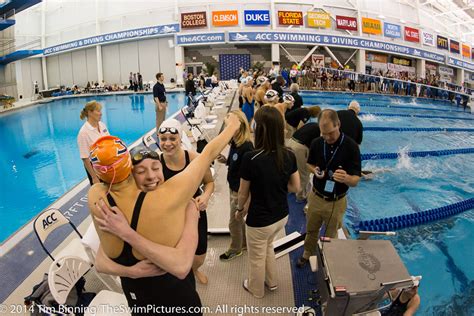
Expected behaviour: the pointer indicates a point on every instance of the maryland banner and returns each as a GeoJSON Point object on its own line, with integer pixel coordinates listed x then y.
{"type": "Point", "coordinates": [346, 23]}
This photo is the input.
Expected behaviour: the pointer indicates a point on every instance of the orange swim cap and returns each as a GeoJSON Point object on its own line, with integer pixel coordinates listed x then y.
{"type": "Point", "coordinates": [110, 159]}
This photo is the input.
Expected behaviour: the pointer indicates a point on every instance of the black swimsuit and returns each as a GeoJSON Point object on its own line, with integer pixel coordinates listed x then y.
{"type": "Point", "coordinates": [202, 224]}
{"type": "Point", "coordinates": [397, 308]}
{"type": "Point", "coordinates": [161, 292]}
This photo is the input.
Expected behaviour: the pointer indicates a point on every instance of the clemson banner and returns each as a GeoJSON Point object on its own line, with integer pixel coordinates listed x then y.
{"type": "Point", "coordinates": [225, 18]}
{"type": "Point", "coordinates": [371, 26]}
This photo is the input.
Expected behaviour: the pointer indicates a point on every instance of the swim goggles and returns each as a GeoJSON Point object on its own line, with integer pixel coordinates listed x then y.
{"type": "Point", "coordinates": [171, 130]}
{"type": "Point", "coordinates": [141, 154]}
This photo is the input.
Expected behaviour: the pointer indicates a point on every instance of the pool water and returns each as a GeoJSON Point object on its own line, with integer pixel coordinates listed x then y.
{"type": "Point", "coordinates": [440, 251]}
{"type": "Point", "coordinates": [40, 159]}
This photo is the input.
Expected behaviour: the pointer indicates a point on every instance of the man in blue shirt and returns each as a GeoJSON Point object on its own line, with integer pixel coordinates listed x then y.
{"type": "Point", "coordinates": [159, 96]}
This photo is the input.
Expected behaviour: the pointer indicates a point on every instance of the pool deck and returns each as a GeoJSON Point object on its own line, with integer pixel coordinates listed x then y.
{"type": "Point", "coordinates": [23, 262]}
{"type": "Point", "coordinates": [25, 102]}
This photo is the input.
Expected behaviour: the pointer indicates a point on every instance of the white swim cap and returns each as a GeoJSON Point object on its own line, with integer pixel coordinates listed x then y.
{"type": "Point", "coordinates": [261, 80]}
{"type": "Point", "coordinates": [288, 98]}
{"type": "Point", "coordinates": [171, 126]}
{"type": "Point", "coordinates": [271, 95]}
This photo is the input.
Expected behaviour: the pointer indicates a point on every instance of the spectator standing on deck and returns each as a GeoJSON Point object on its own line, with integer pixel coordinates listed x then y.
{"type": "Point", "coordinates": [159, 96]}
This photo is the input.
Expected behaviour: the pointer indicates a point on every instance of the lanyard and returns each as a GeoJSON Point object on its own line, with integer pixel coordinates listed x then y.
{"type": "Point", "coordinates": [334, 153]}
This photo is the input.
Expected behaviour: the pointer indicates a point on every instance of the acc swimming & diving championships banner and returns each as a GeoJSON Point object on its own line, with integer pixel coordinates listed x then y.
{"type": "Point", "coordinates": [159, 30]}
{"type": "Point", "coordinates": [331, 40]}
{"type": "Point", "coordinates": [460, 63]}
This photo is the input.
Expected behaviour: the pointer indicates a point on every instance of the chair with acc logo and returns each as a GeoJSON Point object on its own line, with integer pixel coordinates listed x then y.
{"type": "Point", "coordinates": [48, 222]}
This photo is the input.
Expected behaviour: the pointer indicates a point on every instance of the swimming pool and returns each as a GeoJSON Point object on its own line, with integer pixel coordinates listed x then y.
{"type": "Point", "coordinates": [440, 251]}
{"type": "Point", "coordinates": [39, 156]}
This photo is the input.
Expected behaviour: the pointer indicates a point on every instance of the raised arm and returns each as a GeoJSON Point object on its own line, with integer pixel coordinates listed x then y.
{"type": "Point", "coordinates": [183, 185]}
{"type": "Point", "coordinates": [208, 186]}
{"type": "Point", "coordinates": [177, 260]}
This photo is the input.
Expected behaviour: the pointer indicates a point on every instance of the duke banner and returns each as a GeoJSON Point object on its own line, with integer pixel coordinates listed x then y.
{"type": "Point", "coordinates": [257, 17]}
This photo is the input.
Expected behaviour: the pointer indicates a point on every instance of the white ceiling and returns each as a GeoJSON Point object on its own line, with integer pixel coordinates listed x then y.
{"type": "Point", "coordinates": [452, 17]}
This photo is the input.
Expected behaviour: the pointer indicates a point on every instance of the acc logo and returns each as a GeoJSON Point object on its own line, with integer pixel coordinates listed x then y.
{"type": "Point", "coordinates": [368, 262]}
{"type": "Point", "coordinates": [49, 220]}
{"type": "Point", "coordinates": [264, 36]}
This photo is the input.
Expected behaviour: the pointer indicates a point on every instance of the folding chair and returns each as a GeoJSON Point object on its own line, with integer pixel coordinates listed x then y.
{"type": "Point", "coordinates": [151, 141]}
{"type": "Point", "coordinates": [63, 275]}
{"type": "Point", "coordinates": [91, 243]}
{"type": "Point", "coordinates": [194, 124]}
{"type": "Point", "coordinates": [50, 220]}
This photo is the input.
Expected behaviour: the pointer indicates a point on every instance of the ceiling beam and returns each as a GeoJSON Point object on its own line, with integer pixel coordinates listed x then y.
{"type": "Point", "coordinates": [452, 11]}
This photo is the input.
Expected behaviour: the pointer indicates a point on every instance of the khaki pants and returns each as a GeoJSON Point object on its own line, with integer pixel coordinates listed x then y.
{"type": "Point", "coordinates": [319, 212]}
{"type": "Point", "coordinates": [236, 227]}
{"type": "Point", "coordinates": [290, 130]}
{"type": "Point", "coordinates": [262, 264]}
{"type": "Point", "coordinates": [160, 116]}
{"type": "Point", "coordinates": [301, 153]}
